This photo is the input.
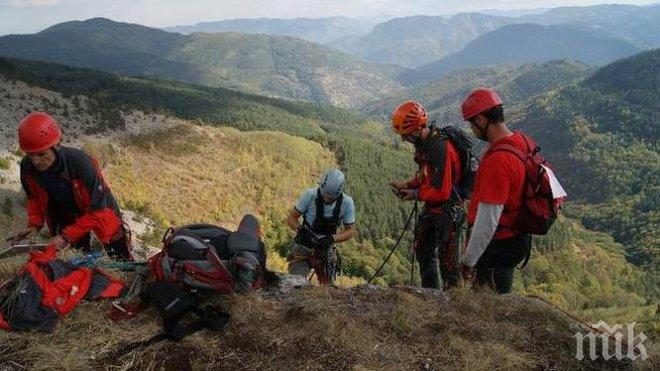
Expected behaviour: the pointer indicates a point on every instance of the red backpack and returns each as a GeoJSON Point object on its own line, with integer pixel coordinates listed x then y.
{"type": "Point", "coordinates": [539, 208]}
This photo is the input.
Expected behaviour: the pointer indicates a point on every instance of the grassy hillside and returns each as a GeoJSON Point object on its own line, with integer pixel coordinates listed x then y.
{"type": "Point", "coordinates": [271, 65]}
{"type": "Point", "coordinates": [196, 172]}
{"type": "Point", "coordinates": [530, 43]}
{"type": "Point", "coordinates": [186, 174]}
{"type": "Point", "coordinates": [359, 145]}
{"type": "Point", "coordinates": [586, 273]}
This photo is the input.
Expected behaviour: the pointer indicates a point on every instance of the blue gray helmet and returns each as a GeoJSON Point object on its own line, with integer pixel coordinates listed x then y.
{"type": "Point", "coordinates": [332, 183]}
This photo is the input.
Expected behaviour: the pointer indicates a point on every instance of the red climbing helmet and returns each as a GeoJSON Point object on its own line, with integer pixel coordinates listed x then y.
{"type": "Point", "coordinates": [479, 101]}
{"type": "Point", "coordinates": [38, 132]}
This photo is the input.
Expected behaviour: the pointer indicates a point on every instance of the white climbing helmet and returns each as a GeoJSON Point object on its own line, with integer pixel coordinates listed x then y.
{"type": "Point", "coordinates": [332, 183]}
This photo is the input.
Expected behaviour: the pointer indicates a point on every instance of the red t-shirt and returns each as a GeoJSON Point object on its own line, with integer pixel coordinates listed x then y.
{"type": "Point", "coordinates": [500, 181]}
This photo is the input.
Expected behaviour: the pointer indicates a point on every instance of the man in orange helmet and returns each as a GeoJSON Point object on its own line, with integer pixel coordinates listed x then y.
{"type": "Point", "coordinates": [66, 191]}
{"type": "Point", "coordinates": [495, 248]}
{"type": "Point", "coordinates": [445, 171]}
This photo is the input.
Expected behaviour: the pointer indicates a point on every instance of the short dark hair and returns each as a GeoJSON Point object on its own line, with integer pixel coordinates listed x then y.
{"type": "Point", "coordinates": [495, 114]}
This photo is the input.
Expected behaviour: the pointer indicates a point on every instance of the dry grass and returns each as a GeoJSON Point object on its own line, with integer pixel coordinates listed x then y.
{"type": "Point", "coordinates": [359, 328]}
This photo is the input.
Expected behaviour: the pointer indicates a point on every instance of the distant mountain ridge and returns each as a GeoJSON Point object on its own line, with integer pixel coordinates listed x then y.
{"type": "Point", "coordinates": [531, 43]}
{"type": "Point", "coordinates": [271, 65]}
{"type": "Point", "coordinates": [318, 30]}
{"type": "Point", "coordinates": [415, 41]}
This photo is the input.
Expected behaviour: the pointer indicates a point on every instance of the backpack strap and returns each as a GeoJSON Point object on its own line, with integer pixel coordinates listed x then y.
{"type": "Point", "coordinates": [511, 149]}
{"type": "Point", "coordinates": [320, 208]}
{"type": "Point", "coordinates": [336, 213]}
{"type": "Point", "coordinates": [532, 148]}
{"type": "Point", "coordinates": [319, 205]}
{"type": "Point", "coordinates": [437, 156]}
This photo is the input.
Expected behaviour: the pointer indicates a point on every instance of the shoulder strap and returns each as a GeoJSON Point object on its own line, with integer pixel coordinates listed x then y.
{"type": "Point", "coordinates": [437, 153]}
{"type": "Point", "coordinates": [336, 213]}
{"type": "Point", "coordinates": [319, 205]}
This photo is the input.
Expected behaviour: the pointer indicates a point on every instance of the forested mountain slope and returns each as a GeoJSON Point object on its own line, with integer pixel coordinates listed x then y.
{"type": "Point", "coordinates": [270, 65]}
{"type": "Point", "coordinates": [602, 134]}
{"type": "Point", "coordinates": [417, 40]}
{"type": "Point", "coordinates": [443, 96]}
{"type": "Point", "coordinates": [318, 30]}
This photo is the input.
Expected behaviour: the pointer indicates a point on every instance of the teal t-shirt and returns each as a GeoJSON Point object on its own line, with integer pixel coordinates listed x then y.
{"type": "Point", "coordinates": [306, 205]}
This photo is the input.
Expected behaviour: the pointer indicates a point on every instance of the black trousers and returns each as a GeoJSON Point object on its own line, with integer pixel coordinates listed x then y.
{"type": "Point", "coordinates": [496, 266]}
{"type": "Point", "coordinates": [437, 250]}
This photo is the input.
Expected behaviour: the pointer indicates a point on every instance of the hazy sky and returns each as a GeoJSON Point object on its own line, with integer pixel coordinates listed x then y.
{"type": "Point", "coordinates": [28, 16]}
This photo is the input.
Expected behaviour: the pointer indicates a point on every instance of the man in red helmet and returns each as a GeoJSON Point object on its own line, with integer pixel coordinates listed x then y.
{"type": "Point", "coordinates": [438, 184]}
{"type": "Point", "coordinates": [494, 248]}
{"type": "Point", "coordinates": [66, 191]}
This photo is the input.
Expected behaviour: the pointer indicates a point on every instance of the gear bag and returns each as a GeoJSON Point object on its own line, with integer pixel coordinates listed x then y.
{"type": "Point", "coordinates": [210, 257]}
{"type": "Point", "coordinates": [173, 302]}
{"type": "Point", "coordinates": [437, 158]}
{"type": "Point", "coordinates": [540, 207]}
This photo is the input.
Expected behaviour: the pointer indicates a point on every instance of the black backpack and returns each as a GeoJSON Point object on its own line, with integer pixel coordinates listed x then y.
{"type": "Point", "coordinates": [464, 146]}
{"type": "Point", "coordinates": [206, 256]}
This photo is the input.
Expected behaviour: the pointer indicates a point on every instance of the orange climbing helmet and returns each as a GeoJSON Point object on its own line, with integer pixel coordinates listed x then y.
{"type": "Point", "coordinates": [409, 117]}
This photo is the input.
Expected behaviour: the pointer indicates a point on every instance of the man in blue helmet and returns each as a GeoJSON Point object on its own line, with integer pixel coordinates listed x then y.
{"type": "Point", "coordinates": [324, 209]}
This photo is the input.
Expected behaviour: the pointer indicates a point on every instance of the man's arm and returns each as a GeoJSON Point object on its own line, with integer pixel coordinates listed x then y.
{"type": "Point", "coordinates": [293, 220]}
{"type": "Point", "coordinates": [100, 217]}
{"type": "Point", "coordinates": [349, 232]}
{"type": "Point", "coordinates": [34, 211]}
{"type": "Point", "coordinates": [485, 225]}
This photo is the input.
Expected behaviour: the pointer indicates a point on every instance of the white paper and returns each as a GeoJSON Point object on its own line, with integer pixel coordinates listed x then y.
{"type": "Point", "coordinates": [556, 188]}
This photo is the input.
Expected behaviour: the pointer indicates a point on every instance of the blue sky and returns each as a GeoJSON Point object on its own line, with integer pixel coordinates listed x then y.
{"type": "Point", "coordinates": [28, 16]}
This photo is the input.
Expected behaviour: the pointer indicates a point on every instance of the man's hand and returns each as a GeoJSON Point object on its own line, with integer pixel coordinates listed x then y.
{"type": "Point", "coordinates": [326, 241]}
{"type": "Point", "coordinates": [29, 233]}
{"type": "Point", "coordinates": [408, 194]}
{"type": "Point", "coordinates": [59, 242]}
{"type": "Point", "coordinates": [467, 273]}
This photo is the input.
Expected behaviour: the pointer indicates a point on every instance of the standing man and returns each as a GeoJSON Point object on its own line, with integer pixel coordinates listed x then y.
{"type": "Point", "coordinates": [66, 191]}
{"type": "Point", "coordinates": [442, 156]}
{"type": "Point", "coordinates": [324, 210]}
{"type": "Point", "coordinates": [495, 247]}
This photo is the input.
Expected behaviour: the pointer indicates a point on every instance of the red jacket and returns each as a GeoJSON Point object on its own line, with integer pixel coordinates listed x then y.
{"type": "Point", "coordinates": [439, 171]}
{"type": "Point", "coordinates": [60, 289]}
{"type": "Point", "coordinates": [98, 209]}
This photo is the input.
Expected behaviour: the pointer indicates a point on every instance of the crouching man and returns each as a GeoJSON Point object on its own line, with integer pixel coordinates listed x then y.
{"type": "Point", "coordinates": [323, 209]}
{"type": "Point", "coordinates": [66, 191]}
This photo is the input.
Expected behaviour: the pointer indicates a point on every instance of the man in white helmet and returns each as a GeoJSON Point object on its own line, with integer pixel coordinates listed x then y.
{"type": "Point", "coordinates": [324, 209]}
